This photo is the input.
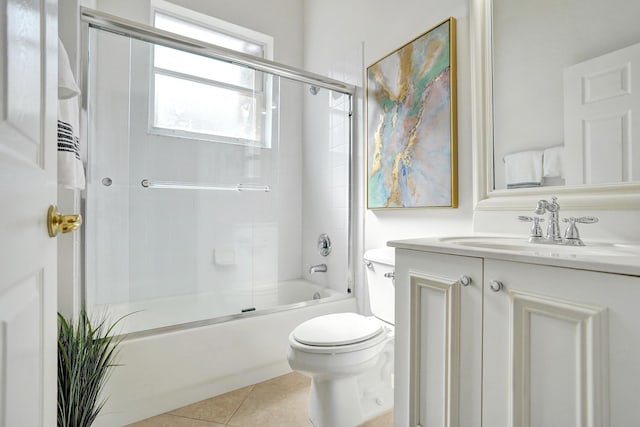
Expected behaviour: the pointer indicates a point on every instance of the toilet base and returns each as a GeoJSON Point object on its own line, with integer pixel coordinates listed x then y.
{"type": "Point", "coordinates": [332, 402]}
{"type": "Point", "coordinates": [351, 400]}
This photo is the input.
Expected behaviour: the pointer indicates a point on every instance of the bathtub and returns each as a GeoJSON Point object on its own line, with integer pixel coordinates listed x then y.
{"type": "Point", "coordinates": [174, 366]}
{"type": "Point", "coordinates": [163, 314]}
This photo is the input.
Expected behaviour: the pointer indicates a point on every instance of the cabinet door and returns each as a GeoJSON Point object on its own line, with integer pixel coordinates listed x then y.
{"type": "Point", "coordinates": [561, 347]}
{"type": "Point", "coordinates": [438, 340]}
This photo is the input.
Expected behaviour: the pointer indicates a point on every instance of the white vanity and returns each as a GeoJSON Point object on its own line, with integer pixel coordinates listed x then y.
{"type": "Point", "coordinates": [495, 331]}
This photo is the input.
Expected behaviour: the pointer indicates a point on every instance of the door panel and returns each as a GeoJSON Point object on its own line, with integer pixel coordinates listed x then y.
{"type": "Point", "coordinates": [28, 88]}
{"type": "Point", "coordinates": [558, 355]}
{"type": "Point", "coordinates": [435, 353]}
{"type": "Point", "coordinates": [21, 326]}
{"type": "Point", "coordinates": [549, 335]}
{"type": "Point", "coordinates": [438, 340]}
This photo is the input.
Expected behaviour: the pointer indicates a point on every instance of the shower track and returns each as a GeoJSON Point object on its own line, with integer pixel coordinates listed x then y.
{"type": "Point", "coordinates": [136, 30]}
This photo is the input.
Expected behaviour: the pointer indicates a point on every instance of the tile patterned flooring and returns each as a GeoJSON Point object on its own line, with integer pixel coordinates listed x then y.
{"type": "Point", "coordinates": [280, 402]}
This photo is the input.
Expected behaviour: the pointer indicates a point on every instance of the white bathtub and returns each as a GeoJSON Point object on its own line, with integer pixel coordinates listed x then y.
{"type": "Point", "coordinates": [172, 368]}
{"type": "Point", "coordinates": [212, 307]}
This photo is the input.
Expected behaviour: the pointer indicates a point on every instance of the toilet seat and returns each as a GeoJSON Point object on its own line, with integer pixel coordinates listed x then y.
{"type": "Point", "coordinates": [336, 329]}
{"type": "Point", "coordinates": [338, 333]}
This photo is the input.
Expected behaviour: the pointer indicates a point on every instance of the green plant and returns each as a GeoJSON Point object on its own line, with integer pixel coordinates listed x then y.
{"type": "Point", "coordinates": [86, 354]}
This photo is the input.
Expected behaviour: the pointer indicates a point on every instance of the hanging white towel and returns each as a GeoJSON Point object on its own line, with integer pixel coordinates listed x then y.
{"type": "Point", "coordinates": [523, 169]}
{"type": "Point", "coordinates": [70, 168]}
{"type": "Point", "coordinates": [552, 162]}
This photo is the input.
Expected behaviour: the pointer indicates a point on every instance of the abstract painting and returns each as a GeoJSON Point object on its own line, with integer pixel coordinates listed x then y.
{"type": "Point", "coordinates": [411, 124]}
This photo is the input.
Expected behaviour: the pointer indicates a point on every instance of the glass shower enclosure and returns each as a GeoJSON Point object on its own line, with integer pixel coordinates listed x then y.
{"type": "Point", "coordinates": [195, 176]}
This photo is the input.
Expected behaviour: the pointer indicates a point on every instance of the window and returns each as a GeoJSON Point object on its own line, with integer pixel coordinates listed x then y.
{"type": "Point", "coordinates": [202, 98]}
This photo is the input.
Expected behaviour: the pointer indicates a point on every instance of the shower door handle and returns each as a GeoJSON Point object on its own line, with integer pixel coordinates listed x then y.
{"type": "Point", "coordinates": [56, 222]}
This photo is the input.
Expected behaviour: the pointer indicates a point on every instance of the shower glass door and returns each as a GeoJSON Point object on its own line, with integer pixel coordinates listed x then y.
{"type": "Point", "coordinates": [182, 184]}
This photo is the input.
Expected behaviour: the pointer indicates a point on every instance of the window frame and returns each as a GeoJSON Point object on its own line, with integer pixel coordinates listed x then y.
{"type": "Point", "coordinates": [263, 80]}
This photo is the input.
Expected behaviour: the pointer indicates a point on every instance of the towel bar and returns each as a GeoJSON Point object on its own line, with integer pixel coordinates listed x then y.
{"type": "Point", "coordinates": [193, 186]}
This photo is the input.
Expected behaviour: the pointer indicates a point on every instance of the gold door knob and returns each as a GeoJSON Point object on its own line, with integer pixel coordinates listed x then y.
{"type": "Point", "coordinates": [56, 222]}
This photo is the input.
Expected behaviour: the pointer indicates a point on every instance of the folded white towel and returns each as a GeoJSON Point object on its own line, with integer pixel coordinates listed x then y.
{"type": "Point", "coordinates": [552, 162]}
{"type": "Point", "coordinates": [523, 169]}
{"type": "Point", "coordinates": [70, 168]}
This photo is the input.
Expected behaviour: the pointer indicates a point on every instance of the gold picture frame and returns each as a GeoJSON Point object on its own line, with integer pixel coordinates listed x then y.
{"type": "Point", "coordinates": [411, 111]}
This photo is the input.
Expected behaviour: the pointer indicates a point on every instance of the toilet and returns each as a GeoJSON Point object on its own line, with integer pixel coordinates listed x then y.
{"type": "Point", "coordinates": [348, 356]}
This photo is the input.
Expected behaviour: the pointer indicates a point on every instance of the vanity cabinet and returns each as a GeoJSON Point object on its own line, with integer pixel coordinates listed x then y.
{"type": "Point", "coordinates": [438, 334]}
{"type": "Point", "coordinates": [523, 344]}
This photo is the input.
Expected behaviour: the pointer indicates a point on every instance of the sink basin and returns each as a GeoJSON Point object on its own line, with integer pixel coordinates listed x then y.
{"type": "Point", "coordinates": [522, 246]}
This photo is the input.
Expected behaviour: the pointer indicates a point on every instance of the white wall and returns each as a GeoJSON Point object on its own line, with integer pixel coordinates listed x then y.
{"type": "Point", "coordinates": [335, 29]}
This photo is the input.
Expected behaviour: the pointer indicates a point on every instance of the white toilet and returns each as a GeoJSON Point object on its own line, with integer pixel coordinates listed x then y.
{"type": "Point", "coordinates": [349, 356]}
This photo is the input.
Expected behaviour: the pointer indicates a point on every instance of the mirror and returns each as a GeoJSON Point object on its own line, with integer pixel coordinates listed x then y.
{"type": "Point", "coordinates": [536, 66]}
{"type": "Point", "coordinates": [549, 57]}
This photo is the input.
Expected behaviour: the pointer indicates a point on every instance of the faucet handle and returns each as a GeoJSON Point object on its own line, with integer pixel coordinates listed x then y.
{"type": "Point", "coordinates": [586, 219]}
{"type": "Point", "coordinates": [571, 235]}
{"type": "Point", "coordinates": [525, 218]}
{"type": "Point", "coordinates": [535, 234]}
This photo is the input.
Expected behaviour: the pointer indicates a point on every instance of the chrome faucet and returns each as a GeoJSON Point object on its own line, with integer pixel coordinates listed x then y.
{"type": "Point", "coordinates": [553, 228]}
{"type": "Point", "coordinates": [320, 268]}
{"type": "Point", "coordinates": [571, 235]}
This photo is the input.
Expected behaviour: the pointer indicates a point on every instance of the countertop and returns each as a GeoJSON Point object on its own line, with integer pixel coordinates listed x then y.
{"type": "Point", "coordinates": [595, 256]}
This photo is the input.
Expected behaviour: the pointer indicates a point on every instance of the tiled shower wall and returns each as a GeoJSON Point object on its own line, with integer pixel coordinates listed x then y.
{"type": "Point", "coordinates": [327, 128]}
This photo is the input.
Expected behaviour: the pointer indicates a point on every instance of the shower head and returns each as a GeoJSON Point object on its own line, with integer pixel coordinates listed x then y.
{"type": "Point", "coordinates": [314, 90]}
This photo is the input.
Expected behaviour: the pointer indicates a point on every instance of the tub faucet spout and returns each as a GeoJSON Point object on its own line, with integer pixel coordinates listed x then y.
{"type": "Point", "coordinates": [320, 268]}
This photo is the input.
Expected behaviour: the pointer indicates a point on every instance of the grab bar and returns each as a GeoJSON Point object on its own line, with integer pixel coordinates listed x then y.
{"type": "Point", "coordinates": [146, 183]}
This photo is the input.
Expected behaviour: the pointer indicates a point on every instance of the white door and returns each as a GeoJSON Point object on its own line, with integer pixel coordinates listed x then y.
{"type": "Point", "coordinates": [28, 89]}
{"type": "Point", "coordinates": [599, 123]}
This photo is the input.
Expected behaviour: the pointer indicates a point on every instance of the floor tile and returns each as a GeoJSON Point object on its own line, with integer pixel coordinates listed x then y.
{"type": "Point", "coordinates": [384, 420]}
{"type": "Point", "coordinates": [280, 402]}
{"type": "Point", "coordinates": [217, 409]}
{"type": "Point", "coordinates": [167, 420]}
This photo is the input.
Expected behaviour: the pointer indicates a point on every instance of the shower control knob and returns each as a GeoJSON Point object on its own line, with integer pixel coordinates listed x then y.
{"type": "Point", "coordinates": [496, 285]}
{"type": "Point", "coordinates": [465, 280]}
{"type": "Point", "coordinates": [324, 244]}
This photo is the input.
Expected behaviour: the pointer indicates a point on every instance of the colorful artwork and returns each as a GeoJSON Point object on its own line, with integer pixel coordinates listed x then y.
{"type": "Point", "coordinates": [411, 124]}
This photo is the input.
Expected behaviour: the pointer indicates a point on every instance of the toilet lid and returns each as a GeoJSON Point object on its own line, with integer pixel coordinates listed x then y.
{"type": "Point", "coordinates": [337, 329]}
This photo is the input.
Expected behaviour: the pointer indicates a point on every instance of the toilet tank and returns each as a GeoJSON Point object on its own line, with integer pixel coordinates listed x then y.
{"type": "Point", "coordinates": [379, 262]}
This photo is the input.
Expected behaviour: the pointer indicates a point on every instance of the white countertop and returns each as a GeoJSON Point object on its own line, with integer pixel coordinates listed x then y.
{"type": "Point", "coordinates": [595, 256]}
